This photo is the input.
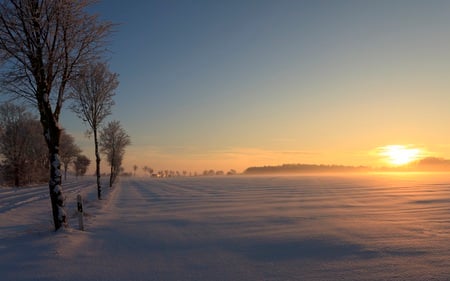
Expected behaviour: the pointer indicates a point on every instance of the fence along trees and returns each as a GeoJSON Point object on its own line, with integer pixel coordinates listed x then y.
{"type": "Point", "coordinates": [43, 43]}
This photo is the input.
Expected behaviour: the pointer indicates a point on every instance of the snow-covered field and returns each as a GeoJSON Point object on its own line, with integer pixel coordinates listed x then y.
{"type": "Point", "coordinates": [365, 227]}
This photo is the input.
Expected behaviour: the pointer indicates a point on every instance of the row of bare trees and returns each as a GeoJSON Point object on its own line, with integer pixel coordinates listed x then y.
{"type": "Point", "coordinates": [24, 158]}
{"type": "Point", "coordinates": [21, 142]}
{"type": "Point", "coordinates": [22, 147]}
{"type": "Point", "coordinates": [52, 51]}
{"type": "Point", "coordinates": [92, 93]}
{"type": "Point", "coordinates": [43, 46]}
{"type": "Point", "coordinates": [170, 173]}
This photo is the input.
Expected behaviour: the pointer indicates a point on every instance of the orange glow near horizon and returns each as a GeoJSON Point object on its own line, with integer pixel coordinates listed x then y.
{"type": "Point", "coordinates": [398, 155]}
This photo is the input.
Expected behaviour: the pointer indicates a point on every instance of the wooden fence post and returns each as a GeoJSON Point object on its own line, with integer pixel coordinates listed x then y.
{"type": "Point", "coordinates": [80, 212]}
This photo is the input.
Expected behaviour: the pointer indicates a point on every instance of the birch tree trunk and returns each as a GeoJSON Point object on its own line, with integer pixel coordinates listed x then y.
{"type": "Point", "coordinates": [111, 177]}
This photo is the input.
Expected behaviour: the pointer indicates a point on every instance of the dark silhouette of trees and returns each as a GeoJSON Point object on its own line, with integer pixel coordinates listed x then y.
{"type": "Point", "coordinates": [93, 92]}
{"type": "Point", "coordinates": [81, 164]}
{"type": "Point", "coordinates": [23, 149]}
{"type": "Point", "coordinates": [231, 172]}
{"type": "Point", "coordinates": [135, 167]}
{"type": "Point", "coordinates": [13, 141]}
{"type": "Point", "coordinates": [21, 145]}
{"type": "Point", "coordinates": [68, 151]}
{"type": "Point", "coordinates": [43, 44]}
{"type": "Point", "coordinates": [303, 168]}
{"type": "Point", "coordinates": [209, 172]}
{"type": "Point", "coordinates": [148, 170]}
{"type": "Point", "coordinates": [113, 140]}
{"type": "Point", "coordinates": [37, 155]}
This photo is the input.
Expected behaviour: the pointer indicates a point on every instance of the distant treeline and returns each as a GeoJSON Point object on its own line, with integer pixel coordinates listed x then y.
{"type": "Point", "coordinates": [428, 164]}
{"type": "Point", "coordinates": [304, 168]}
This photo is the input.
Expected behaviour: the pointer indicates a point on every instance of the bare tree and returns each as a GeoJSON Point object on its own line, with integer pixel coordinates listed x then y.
{"type": "Point", "coordinates": [81, 164]}
{"type": "Point", "coordinates": [36, 154]}
{"type": "Point", "coordinates": [42, 45]}
{"type": "Point", "coordinates": [113, 140]}
{"type": "Point", "coordinates": [135, 167]}
{"type": "Point", "coordinates": [93, 92]}
{"type": "Point", "coordinates": [148, 170]}
{"type": "Point", "coordinates": [68, 151]}
{"type": "Point", "coordinates": [13, 140]}
{"type": "Point", "coordinates": [25, 159]}
{"type": "Point", "coordinates": [21, 145]}
{"type": "Point", "coordinates": [231, 172]}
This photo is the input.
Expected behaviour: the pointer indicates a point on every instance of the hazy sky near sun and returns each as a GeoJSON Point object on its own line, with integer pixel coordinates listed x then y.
{"type": "Point", "coordinates": [232, 84]}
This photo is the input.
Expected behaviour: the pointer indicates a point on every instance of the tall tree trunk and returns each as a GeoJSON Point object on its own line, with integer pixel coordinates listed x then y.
{"type": "Point", "coordinates": [111, 176]}
{"type": "Point", "coordinates": [97, 166]}
{"type": "Point", "coordinates": [52, 133]}
{"type": "Point", "coordinates": [65, 171]}
{"type": "Point", "coordinates": [54, 185]}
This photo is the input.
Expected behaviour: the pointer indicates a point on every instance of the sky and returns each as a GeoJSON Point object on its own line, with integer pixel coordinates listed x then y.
{"type": "Point", "coordinates": [231, 84]}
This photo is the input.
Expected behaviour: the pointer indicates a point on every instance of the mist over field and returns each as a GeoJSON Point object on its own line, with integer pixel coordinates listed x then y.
{"type": "Point", "coordinates": [354, 227]}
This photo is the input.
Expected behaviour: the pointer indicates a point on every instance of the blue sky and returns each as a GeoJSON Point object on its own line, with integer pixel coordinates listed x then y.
{"type": "Point", "coordinates": [229, 84]}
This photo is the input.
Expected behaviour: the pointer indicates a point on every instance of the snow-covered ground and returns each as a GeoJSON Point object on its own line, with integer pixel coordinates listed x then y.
{"type": "Point", "coordinates": [371, 227]}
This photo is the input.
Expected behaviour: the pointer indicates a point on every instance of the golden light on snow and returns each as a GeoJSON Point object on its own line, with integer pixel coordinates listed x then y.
{"type": "Point", "coordinates": [398, 155]}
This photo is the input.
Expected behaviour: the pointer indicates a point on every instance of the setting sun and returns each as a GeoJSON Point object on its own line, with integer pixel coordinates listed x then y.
{"type": "Point", "coordinates": [400, 154]}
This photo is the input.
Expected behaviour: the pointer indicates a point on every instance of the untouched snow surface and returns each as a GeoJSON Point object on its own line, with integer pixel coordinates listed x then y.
{"type": "Point", "coordinates": [373, 227]}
